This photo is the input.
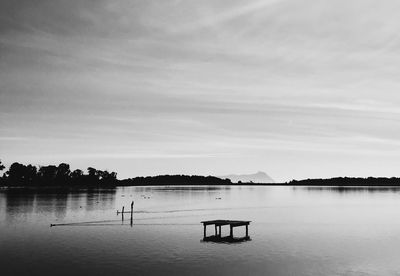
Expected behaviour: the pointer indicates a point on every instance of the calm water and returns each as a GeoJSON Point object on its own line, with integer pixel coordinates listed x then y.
{"type": "Point", "coordinates": [294, 231]}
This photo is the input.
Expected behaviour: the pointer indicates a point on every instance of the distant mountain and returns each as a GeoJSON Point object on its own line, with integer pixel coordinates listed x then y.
{"type": "Point", "coordinates": [259, 177]}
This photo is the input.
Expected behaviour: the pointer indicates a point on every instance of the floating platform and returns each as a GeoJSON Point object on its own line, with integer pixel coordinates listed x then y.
{"type": "Point", "coordinates": [218, 225]}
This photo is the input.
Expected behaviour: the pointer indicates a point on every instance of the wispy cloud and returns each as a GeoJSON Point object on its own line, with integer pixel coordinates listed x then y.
{"type": "Point", "coordinates": [244, 84]}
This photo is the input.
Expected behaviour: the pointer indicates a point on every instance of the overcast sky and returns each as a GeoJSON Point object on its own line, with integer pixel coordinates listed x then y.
{"type": "Point", "coordinates": [295, 88]}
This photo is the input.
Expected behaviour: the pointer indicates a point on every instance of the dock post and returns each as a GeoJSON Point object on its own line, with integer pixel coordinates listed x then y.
{"type": "Point", "coordinates": [231, 234]}
{"type": "Point", "coordinates": [247, 230]}
{"type": "Point", "coordinates": [219, 231]}
{"type": "Point", "coordinates": [205, 231]}
{"type": "Point", "coordinates": [132, 210]}
{"type": "Point", "coordinates": [216, 231]}
{"type": "Point", "coordinates": [123, 207]}
{"type": "Point", "coordinates": [131, 213]}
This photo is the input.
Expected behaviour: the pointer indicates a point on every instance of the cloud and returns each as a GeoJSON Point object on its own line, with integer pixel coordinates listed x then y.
{"type": "Point", "coordinates": [200, 78]}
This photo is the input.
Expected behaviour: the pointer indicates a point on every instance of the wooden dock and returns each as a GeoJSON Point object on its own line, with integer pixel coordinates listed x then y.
{"type": "Point", "coordinates": [218, 225]}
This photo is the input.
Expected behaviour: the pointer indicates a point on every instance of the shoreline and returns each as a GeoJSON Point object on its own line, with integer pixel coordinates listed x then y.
{"type": "Point", "coordinates": [50, 188]}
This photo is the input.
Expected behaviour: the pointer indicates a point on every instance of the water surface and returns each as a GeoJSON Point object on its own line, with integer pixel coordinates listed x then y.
{"type": "Point", "coordinates": [294, 231]}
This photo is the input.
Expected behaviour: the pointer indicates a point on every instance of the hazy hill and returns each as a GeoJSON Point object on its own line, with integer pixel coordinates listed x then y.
{"type": "Point", "coordinates": [259, 177]}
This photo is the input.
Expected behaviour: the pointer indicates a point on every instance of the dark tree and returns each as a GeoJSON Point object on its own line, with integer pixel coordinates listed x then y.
{"type": "Point", "coordinates": [47, 174]}
{"type": "Point", "coordinates": [3, 178]}
{"type": "Point", "coordinates": [107, 177]}
{"type": "Point", "coordinates": [76, 174]}
{"type": "Point", "coordinates": [31, 173]}
{"type": "Point", "coordinates": [77, 177]}
{"type": "Point", "coordinates": [93, 177]}
{"type": "Point", "coordinates": [63, 173]}
{"type": "Point", "coordinates": [92, 172]}
{"type": "Point", "coordinates": [15, 173]}
{"type": "Point", "coordinates": [19, 174]}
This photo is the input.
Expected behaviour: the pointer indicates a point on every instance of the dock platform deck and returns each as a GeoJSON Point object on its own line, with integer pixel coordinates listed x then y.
{"type": "Point", "coordinates": [221, 222]}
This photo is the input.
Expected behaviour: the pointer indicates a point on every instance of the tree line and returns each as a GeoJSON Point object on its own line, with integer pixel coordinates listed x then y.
{"type": "Point", "coordinates": [166, 180]}
{"type": "Point", "coordinates": [21, 175]}
{"type": "Point", "coordinates": [348, 181]}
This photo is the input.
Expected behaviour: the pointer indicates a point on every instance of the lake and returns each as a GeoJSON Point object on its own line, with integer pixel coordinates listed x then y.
{"type": "Point", "coordinates": [294, 231]}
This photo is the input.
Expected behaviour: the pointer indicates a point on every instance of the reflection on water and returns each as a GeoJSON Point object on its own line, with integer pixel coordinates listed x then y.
{"type": "Point", "coordinates": [226, 240]}
{"type": "Point", "coordinates": [56, 202]}
{"type": "Point", "coordinates": [294, 231]}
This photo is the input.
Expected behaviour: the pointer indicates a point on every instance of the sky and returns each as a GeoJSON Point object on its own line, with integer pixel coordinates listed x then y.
{"type": "Point", "coordinates": [295, 88]}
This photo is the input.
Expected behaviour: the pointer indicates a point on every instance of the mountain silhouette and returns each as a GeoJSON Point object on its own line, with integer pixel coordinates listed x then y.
{"type": "Point", "coordinates": [259, 177]}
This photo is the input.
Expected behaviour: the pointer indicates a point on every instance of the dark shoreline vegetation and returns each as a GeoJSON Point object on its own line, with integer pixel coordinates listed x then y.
{"type": "Point", "coordinates": [167, 180]}
{"type": "Point", "coordinates": [51, 176]}
{"type": "Point", "coordinates": [19, 175]}
{"type": "Point", "coordinates": [348, 181]}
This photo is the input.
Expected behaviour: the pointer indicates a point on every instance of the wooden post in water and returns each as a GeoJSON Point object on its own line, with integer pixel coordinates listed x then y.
{"type": "Point", "coordinates": [205, 231]}
{"type": "Point", "coordinates": [247, 230]}
{"type": "Point", "coordinates": [231, 234]}
{"type": "Point", "coordinates": [219, 231]}
{"type": "Point", "coordinates": [132, 210]}
{"type": "Point", "coordinates": [131, 213]}
{"type": "Point", "coordinates": [123, 208]}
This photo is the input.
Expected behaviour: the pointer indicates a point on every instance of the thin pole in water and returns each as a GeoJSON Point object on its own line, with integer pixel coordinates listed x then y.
{"type": "Point", "coordinates": [131, 213]}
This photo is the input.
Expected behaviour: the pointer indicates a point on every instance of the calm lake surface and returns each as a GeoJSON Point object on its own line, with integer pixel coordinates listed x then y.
{"type": "Point", "coordinates": [294, 231]}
